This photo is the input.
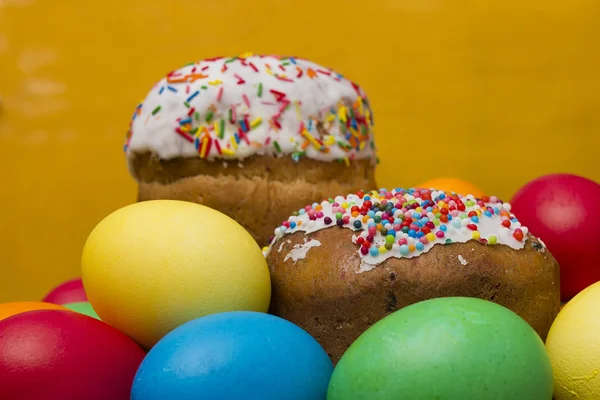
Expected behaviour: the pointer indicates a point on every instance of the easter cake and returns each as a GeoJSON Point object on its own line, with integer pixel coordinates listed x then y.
{"type": "Point", "coordinates": [339, 266]}
{"type": "Point", "coordinates": [252, 136]}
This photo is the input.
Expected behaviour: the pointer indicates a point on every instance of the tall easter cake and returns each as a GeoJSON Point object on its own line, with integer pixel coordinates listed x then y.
{"type": "Point", "coordinates": [252, 136]}
{"type": "Point", "coordinates": [340, 265]}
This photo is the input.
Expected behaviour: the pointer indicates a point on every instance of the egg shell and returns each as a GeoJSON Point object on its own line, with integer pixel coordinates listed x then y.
{"type": "Point", "coordinates": [151, 266]}
{"type": "Point", "coordinates": [83, 307]}
{"type": "Point", "coordinates": [18, 307]}
{"type": "Point", "coordinates": [574, 347]}
{"type": "Point", "coordinates": [71, 291]}
{"type": "Point", "coordinates": [235, 356]}
{"type": "Point", "coordinates": [455, 185]}
{"type": "Point", "coordinates": [451, 348]}
{"type": "Point", "coordinates": [563, 211]}
{"type": "Point", "coordinates": [53, 354]}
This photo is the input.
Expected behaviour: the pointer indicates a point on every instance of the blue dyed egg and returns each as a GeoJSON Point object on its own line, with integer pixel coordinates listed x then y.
{"type": "Point", "coordinates": [235, 355]}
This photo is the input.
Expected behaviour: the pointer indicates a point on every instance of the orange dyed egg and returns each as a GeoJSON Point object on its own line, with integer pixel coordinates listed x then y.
{"type": "Point", "coordinates": [452, 185]}
{"type": "Point", "coordinates": [18, 307]}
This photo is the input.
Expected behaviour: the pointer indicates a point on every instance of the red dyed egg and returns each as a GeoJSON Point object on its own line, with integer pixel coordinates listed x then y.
{"type": "Point", "coordinates": [68, 292]}
{"type": "Point", "coordinates": [52, 354]}
{"type": "Point", "coordinates": [564, 211]}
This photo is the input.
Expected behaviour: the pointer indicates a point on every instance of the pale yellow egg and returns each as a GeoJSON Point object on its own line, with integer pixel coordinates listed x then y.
{"type": "Point", "coordinates": [151, 266]}
{"type": "Point", "coordinates": [574, 347]}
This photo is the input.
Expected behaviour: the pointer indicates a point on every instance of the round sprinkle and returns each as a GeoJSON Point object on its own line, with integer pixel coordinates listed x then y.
{"type": "Point", "coordinates": [412, 220]}
{"type": "Point", "coordinates": [404, 250]}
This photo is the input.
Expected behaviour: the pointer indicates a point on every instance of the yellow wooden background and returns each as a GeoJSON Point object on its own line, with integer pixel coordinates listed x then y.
{"type": "Point", "coordinates": [492, 91]}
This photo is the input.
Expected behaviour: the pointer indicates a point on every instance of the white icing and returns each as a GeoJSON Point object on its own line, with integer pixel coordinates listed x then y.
{"type": "Point", "coordinates": [462, 260]}
{"type": "Point", "coordinates": [489, 227]}
{"type": "Point", "coordinates": [365, 266]}
{"type": "Point", "coordinates": [300, 250]}
{"type": "Point", "coordinates": [543, 249]}
{"type": "Point", "coordinates": [282, 99]}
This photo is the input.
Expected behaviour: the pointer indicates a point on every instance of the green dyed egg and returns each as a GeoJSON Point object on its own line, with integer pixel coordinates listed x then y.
{"type": "Point", "coordinates": [452, 348]}
{"type": "Point", "coordinates": [83, 307]}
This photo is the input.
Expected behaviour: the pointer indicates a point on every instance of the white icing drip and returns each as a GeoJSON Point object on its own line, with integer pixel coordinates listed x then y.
{"type": "Point", "coordinates": [365, 266]}
{"type": "Point", "coordinates": [490, 228]}
{"type": "Point", "coordinates": [543, 245]}
{"type": "Point", "coordinates": [282, 100]}
{"type": "Point", "coordinates": [300, 250]}
{"type": "Point", "coordinates": [462, 260]}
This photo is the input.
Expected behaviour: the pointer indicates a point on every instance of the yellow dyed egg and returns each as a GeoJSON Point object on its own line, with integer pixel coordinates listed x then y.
{"type": "Point", "coordinates": [574, 347]}
{"type": "Point", "coordinates": [150, 267]}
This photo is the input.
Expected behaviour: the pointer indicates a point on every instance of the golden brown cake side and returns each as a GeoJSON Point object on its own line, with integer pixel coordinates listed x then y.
{"type": "Point", "coordinates": [259, 192]}
{"type": "Point", "coordinates": [326, 293]}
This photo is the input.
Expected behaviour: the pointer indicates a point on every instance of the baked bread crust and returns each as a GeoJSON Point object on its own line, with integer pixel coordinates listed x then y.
{"type": "Point", "coordinates": [259, 192]}
{"type": "Point", "coordinates": [326, 294]}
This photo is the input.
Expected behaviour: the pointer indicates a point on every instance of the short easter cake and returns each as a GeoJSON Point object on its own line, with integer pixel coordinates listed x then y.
{"type": "Point", "coordinates": [341, 265]}
{"type": "Point", "coordinates": [252, 136]}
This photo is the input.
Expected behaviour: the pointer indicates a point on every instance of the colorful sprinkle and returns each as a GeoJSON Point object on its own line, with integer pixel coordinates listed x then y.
{"type": "Point", "coordinates": [406, 223]}
{"type": "Point", "coordinates": [246, 101]}
{"type": "Point", "coordinates": [256, 122]}
{"type": "Point", "coordinates": [204, 147]}
{"type": "Point", "coordinates": [196, 93]}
